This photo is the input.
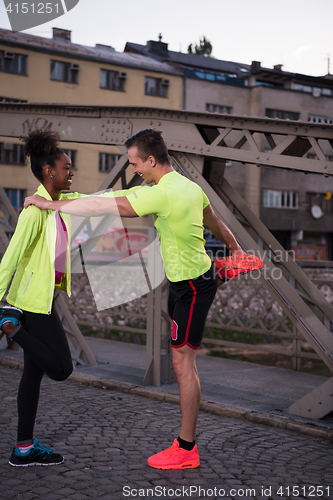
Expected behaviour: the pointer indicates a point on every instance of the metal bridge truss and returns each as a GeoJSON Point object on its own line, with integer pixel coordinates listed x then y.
{"type": "Point", "coordinates": [199, 144]}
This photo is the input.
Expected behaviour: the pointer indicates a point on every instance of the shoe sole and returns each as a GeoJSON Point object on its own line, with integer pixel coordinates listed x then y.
{"type": "Point", "coordinates": [186, 465]}
{"type": "Point", "coordinates": [35, 463]}
{"type": "Point", "coordinates": [230, 265]}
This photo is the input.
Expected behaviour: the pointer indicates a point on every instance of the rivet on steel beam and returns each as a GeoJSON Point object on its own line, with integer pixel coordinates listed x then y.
{"type": "Point", "coordinates": [184, 160]}
{"type": "Point", "coordinates": [59, 124]}
{"type": "Point", "coordinates": [107, 130]}
{"type": "Point", "coordinates": [106, 138]}
{"type": "Point", "coordinates": [325, 166]}
{"type": "Point", "coordinates": [258, 157]}
{"type": "Point", "coordinates": [159, 124]}
{"type": "Point", "coordinates": [186, 146]}
{"type": "Point", "coordinates": [107, 121]}
{"type": "Point", "coordinates": [102, 134]}
{"type": "Point", "coordinates": [151, 123]}
{"type": "Point", "coordinates": [113, 121]}
{"type": "Point", "coordinates": [103, 125]}
{"type": "Point", "coordinates": [128, 126]}
{"type": "Point", "coordinates": [208, 149]}
{"type": "Point", "coordinates": [267, 157]}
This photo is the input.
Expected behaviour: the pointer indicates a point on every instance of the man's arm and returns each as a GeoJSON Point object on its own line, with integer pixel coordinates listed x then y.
{"type": "Point", "coordinates": [90, 206]}
{"type": "Point", "coordinates": [220, 230]}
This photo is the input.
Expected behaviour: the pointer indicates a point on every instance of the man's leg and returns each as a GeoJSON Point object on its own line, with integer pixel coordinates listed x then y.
{"type": "Point", "coordinates": [183, 359]}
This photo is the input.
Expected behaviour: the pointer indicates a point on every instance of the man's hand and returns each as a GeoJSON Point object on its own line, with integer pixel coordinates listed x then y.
{"type": "Point", "coordinates": [38, 201]}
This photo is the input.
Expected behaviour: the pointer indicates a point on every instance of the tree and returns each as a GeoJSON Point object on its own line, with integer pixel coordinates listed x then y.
{"type": "Point", "coordinates": [203, 49]}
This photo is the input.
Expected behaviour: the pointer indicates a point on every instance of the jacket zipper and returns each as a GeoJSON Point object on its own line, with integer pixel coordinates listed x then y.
{"type": "Point", "coordinates": [28, 284]}
{"type": "Point", "coordinates": [53, 275]}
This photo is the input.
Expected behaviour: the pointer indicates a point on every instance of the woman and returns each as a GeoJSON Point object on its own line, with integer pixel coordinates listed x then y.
{"type": "Point", "coordinates": [39, 254]}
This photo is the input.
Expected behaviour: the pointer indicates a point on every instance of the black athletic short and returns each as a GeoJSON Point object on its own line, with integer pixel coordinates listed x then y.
{"type": "Point", "coordinates": [188, 306]}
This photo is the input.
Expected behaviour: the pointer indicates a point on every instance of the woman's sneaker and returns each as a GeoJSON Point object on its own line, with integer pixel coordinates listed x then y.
{"type": "Point", "coordinates": [10, 313]}
{"type": "Point", "coordinates": [38, 455]}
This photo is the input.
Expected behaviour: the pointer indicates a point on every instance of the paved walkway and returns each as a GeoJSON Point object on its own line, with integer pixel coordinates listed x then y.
{"type": "Point", "coordinates": [107, 435]}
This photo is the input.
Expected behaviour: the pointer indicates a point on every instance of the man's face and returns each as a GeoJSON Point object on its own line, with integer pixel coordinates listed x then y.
{"type": "Point", "coordinates": [145, 169]}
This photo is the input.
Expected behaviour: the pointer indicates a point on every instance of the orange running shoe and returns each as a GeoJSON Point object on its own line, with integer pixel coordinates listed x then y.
{"type": "Point", "coordinates": [175, 458]}
{"type": "Point", "coordinates": [231, 267]}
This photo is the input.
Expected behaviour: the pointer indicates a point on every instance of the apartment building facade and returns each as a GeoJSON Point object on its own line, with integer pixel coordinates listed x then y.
{"type": "Point", "coordinates": [35, 69]}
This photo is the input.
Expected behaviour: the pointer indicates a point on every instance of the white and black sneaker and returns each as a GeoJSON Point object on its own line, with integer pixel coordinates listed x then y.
{"type": "Point", "coordinates": [38, 455]}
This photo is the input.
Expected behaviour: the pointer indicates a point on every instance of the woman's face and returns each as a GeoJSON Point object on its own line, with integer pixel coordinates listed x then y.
{"type": "Point", "coordinates": [62, 173]}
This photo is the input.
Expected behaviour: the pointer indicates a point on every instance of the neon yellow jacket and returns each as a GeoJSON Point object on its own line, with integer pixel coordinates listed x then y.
{"type": "Point", "coordinates": [31, 253]}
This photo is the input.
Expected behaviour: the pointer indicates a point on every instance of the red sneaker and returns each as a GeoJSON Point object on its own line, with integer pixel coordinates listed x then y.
{"type": "Point", "coordinates": [175, 458]}
{"type": "Point", "coordinates": [231, 267]}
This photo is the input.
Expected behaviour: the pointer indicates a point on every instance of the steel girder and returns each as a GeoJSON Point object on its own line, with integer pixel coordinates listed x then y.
{"type": "Point", "coordinates": [193, 140]}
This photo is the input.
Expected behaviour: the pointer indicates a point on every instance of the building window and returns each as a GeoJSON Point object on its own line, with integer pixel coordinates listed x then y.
{"type": "Point", "coordinates": [156, 86]}
{"type": "Point", "coordinates": [16, 197]}
{"type": "Point", "coordinates": [316, 91]}
{"type": "Point", "coordinates": [313, 156]}
{"type": "Point", "coordinates": [284, 115]}
{"type": "Point", "coordinates": [113, 80]}
{"type": "Point", "coordinates": [319, 119]}
{"type": "Point", "coordinates": [13, 63]}
{"type": "Point", "coordinates": [280, 199]}
{"type": "Point", "coordinates": [8, 99]}
{"type": "Point", "coordinates": [11, 153]}
{"type": "Point", "coordinates": [107, 161]}
{"type": "Point", "coordinates": [71, 153]}
{"type": "Point", "coordinates": [64, 72]}
{"type": "Point", "coordinates": [218, 108]}
{"type": "Point", "coordinates": [322, 200]}
{"type": "Point", "coordinates": [216, 77]}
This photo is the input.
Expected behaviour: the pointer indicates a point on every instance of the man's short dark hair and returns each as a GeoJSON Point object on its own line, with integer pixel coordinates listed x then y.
{"type": "Point", "coordinates": [150, 143]}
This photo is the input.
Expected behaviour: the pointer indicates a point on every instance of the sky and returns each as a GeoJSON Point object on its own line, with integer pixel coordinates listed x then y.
{"type": "Point", "coordinates": [295, 33]}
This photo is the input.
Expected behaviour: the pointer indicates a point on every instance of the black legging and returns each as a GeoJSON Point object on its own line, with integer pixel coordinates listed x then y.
{"type": "Point", "coordinates": [46, 350]}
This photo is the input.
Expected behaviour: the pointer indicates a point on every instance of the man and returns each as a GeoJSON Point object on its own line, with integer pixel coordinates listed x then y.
{"type": "Point", "coordinates": [179, 208]}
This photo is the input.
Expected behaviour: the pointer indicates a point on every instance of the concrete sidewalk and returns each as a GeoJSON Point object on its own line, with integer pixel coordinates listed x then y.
{"type": "Point", "coordinates": [232, 388]}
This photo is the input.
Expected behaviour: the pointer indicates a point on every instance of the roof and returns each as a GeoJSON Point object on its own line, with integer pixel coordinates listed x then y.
{"type": "Point", "coordinates": [191, 60]}
{"type": "Point", "coordinates": [99, 53]}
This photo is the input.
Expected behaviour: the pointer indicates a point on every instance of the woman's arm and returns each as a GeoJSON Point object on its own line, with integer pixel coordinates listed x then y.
{"type": "Point", "coordinates": [220, 230]}
{"type": "Point", "coordinates": [90, 206]}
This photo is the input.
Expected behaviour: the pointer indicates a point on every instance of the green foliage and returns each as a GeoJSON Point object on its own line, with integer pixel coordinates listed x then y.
{"type": "Point", "coordinates": [203, 49]}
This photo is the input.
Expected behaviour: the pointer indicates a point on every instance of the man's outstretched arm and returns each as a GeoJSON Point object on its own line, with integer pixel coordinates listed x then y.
{"type": "Point", "coordinates": [220, 230]}
{"type": "Point", "coordinates": [90, 206]}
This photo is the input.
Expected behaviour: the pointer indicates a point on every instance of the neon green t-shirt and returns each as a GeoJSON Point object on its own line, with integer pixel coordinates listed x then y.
{"type": "Point", "coordinates": [176, 205]}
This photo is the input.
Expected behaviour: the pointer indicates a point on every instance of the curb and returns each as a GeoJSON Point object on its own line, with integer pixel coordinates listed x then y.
{"type": "Point", "coordinates": [207, 406]}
